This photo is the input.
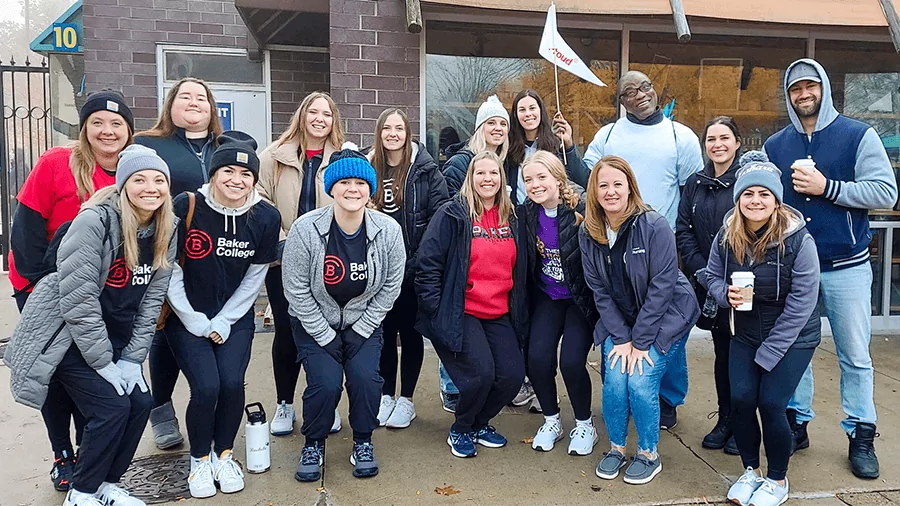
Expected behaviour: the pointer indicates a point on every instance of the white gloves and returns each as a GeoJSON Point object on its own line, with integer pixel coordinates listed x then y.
{"type": "Point", "coordinates": [132, 374]}
{"type": "Point", "coordinates": [113, 375]}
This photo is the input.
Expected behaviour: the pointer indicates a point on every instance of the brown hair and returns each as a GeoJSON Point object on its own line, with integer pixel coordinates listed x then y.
{"type": "Point", "coordinates": [595, 219]}
{"type": "Point", "coordinates": [82, 162]}
{"type": "Point", "coordinates": [505, 207]}
{"type": "Point", "coordinates": [545, 140]}
{"type": "Point", "coordinates": [378, 157]}
{"type": "Point", "coordinates": [165, 127]}
{"type": "Point", "coordinates": [553, 165]}
{"type": "Point", "coordinates": [744, 242]}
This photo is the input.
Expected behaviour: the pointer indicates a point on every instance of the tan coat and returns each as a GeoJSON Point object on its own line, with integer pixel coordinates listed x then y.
{"type": "Point", "coordinates": [281, 180]}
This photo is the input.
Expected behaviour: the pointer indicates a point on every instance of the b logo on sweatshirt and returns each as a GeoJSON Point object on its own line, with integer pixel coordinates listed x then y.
{"type": "Point", "coordinates": [198, 244]}
{"type": "Point", "coordinates": [120, 275]}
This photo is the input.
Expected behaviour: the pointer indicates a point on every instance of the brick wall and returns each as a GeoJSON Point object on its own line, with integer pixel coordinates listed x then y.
{"type": "Point", "coordinates": [121, 37]}
{"type": "Point", "coordinates": [374, 64]}
{"type": "Point", "coordinates": [294, 75]}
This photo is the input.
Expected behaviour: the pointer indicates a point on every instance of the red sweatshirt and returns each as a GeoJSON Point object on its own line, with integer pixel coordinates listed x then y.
{"type": "Point", "coordinates": [491, 263]}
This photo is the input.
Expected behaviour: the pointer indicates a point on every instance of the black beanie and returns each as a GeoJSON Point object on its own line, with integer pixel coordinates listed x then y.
{"type": "Point", "coordinates": [106, 100]}
{"type": "Point", "coordinates": [235, 148]}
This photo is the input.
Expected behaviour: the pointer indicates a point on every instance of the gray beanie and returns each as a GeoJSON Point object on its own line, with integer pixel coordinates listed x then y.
{"type": "Point", "coordinates": [802, 71]}
{"type": "Point", "coordinates": [757, 170]}
{"type": "Point", "coordinates": [136, 158]}
{"type": "Point", "coordinates": [491, 108]}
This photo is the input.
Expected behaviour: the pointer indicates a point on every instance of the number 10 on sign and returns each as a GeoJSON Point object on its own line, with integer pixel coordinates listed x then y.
{"type": "Point", "coordinates": [65, 37]}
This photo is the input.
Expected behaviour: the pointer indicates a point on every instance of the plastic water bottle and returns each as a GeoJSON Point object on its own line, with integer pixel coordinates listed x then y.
{"type": "Point", "coordinates": [256, 433]}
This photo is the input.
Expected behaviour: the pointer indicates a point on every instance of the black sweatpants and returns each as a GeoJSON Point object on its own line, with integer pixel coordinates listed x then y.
{"type": "Point", "coordinates": [554, 319]}
{"type": "Point", "coordinates": [400, 320]}
{"type": "Point", "coordinates": [488, 371]}
{"type": "Point", "coordinates": [215, 373]}
{"type": "Point", "coordinates": [721, 336]}
{"type": "Point", "coordinates": [323, 386]}
{"type": "Point", "coordinates": [114, 422]}
{"type": "Point", "coordinates": [58, 409]}
{"type": "Point", "coordinates": [284, 352]}
{"type": "Point", "coordinates": [163, 369]}
{"type": "Point", "coordinates": [752, 389]}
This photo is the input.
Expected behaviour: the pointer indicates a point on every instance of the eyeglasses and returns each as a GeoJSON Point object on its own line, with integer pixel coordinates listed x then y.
{"type": "Point", "coordinates": [645, 87]}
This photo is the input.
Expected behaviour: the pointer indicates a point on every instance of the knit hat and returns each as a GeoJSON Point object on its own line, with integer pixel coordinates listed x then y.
{"type": "Point", "coordinates": [757, 170]}
{"type": "Point", "coordinates": [491, 108]}
{"type": "Point", "coordinates": [136, 158]}
{"type": "Point", "coordinates": [106, 100]}
{"type": "Point", "coordinates": [235, 148]}
{"type": "Point", "coordinates": [347, 163]}
{"type": "Point", "coordinates": [802, 71]}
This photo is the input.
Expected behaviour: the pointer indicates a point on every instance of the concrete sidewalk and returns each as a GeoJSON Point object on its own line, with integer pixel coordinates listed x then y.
{"type": "Point", "coordinates": [416, 460]}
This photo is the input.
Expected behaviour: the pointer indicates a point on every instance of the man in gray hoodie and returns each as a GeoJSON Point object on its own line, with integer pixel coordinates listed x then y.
{"type": "Point", "coordinates": [835, 169]}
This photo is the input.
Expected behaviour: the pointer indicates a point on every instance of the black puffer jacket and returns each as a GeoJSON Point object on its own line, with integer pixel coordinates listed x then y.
{"type": "Point", "coordinates": [443, 273]}
{"type": "Point", "coordinates": [705, 201]}
{"type": "Point", "coordinates": [188, 171]}
{"type": "Point", "coordinates": [457, 165]}
{"type": "Point", "coordinates": [568, 220]}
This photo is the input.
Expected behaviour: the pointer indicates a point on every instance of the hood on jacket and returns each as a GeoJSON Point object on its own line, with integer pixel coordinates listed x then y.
{"type": "Point", "coordinates": [708, 174]}
{"type": "Point", "coordinates": [827, 112]}
{"type": "Point", "coordinates": [459, 147]}
{"type": "Point", "coordinates": [796, 224]}
{"type": "Point", "coordinates": [252, 199]}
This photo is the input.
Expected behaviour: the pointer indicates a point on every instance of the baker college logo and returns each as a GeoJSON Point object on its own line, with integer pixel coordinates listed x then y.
{"type": "Point", "coordinates": [120, 275]}
{"type": "Point", "coordinates": [335, 270]}
{"type": "Point", "coordinates": [197, 244]}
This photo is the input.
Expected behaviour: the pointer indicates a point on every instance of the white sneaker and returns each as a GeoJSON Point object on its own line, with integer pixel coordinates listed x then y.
{"type": "Point", "coordinates": [582, 438]}
{"type": "Point", "coordinates": [404, 413]}
{"type": "Point", "coordinates": [283, 422]}
{"type": "Point", "coordinates": [526, 393]}
{"type": "Point", "coordinates": [200, 481]}
{"type": "Point", "coordinates": [385, 409]}
{"type": "Point", "coordinates": [336, 425]}
{"type": "Point", "coordinates": [112, 494]}
{"type": "Point", "coordinates": [770, 493]}
{"type": "Point", "coordinates": [76, 498]}
{"type": "Point", "coordinates": [227, 473]}
{"type": "Point", "coordinates": [548, 434]}
{"type": "Point", "coordinates": [743, 489]}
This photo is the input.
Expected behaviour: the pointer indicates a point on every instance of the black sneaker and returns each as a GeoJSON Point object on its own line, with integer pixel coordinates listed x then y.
{"type": "Point", "coordinates": [668, 418]}
{"type": "Point", "coordinates": [863, 460]}
{"type": "Point", "coordinates": [799, 436]}
{"type": "Point", "coordinates": [449, 402]}
{"type": "Point", "coordinates": [719, 436]}
{"type": "Point", "coordinates": [63, 470]}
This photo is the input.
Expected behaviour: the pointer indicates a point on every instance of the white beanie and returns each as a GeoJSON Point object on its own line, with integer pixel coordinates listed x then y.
{"type": "Point", "coordinates": [491, 108]}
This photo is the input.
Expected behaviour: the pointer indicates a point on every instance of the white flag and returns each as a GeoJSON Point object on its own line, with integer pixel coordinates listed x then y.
{"type": "Point", "coordinates": [555, 49]}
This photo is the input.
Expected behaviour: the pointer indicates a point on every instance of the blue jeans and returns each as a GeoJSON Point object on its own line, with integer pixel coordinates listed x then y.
{"type": "Point", "coordinates": [847, 298]}
{"type": "Point", "coordinates": [625, 396]}
{"type": "Point", "coordinates": [673, 387]}
{"type": "Point", "coordinates": [447, 385]}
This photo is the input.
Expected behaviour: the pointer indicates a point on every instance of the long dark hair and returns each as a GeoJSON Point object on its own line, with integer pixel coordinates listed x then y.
{"type": "Point", "coordinates": [379, 159]}
{"type": "Point", "coordinates": [729, 122]}
{"type": "Point", "coordinates": [545, 139]}
{"type": "Point", "coordinates": [165, 127]}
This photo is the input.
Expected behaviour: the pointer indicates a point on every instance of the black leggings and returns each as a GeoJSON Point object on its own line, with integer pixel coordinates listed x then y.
{"type": "Point", "coordinates": [400, 320]}
{"type": "Point", "coordinates": [555, 319]}
{"type": "Point", "coordinates": [752, 389]}
{"type": "Point", "coordinates": [164, 370]}
{"type": "Point", "coordinates": [284, 351]}
{"type": "Point", "coordinates": [721, 335]}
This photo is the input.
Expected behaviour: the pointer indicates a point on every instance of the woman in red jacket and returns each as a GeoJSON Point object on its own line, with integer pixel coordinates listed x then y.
{"type": "Point", "coordinates": [60, 182]}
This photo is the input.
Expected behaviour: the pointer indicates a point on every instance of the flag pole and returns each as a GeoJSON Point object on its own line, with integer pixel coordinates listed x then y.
{"type": "Point", "coordinates": [562, 144]}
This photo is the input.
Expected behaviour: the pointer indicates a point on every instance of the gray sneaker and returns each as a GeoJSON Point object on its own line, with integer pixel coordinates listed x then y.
{"type": "Point", "coordinates": [744, 488]}
{"type": "Point", "coordinates": [642, 470]}
{"type": "Point", "coordinates": [770, 493]}
{"type": "Point", "coordinates": [365, 465]}
{"type": "Point", "coordinates": [610, 464]}
{"type": "Point", "coordinates": [311, 459]}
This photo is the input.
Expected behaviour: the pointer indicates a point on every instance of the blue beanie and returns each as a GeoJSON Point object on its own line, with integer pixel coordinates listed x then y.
{"type": "Point", "coordinates": [757, 170]}
{"type": "Point", "coordinates": [349, 163]}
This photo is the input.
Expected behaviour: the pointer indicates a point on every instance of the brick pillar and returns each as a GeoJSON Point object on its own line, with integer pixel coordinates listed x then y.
{"type": "Point", "coordinates": [374, 64]}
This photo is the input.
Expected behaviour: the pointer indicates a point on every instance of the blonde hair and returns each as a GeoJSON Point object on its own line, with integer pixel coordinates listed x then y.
{"type": "Point", "coordinates": [297, 128]}
{"type": "Point", "coordinates": [83, 164]}
{"type": "Point", "coordinates": [478, 143]}
{"type": "Point", "coordinates": [165, 127]}
{"type": "Point", "coordinates": [595, 220]}
{"type": "Point", "coordinates": [554, 166]}
{"type": "Point", "coordinates": [505, 207]}
{"type": "Point", "coordinates": [744, 242]}
{"type": "Point", "coordinates": [163, 217]}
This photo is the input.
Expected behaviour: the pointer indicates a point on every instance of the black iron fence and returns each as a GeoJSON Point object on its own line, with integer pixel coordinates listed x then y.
{"type": "Point", "coordinates": [24, 132]}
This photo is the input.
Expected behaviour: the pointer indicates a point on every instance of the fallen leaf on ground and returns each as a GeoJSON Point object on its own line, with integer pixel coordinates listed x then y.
{"type": "Point", "coordinates": [705, 501]}
{"type": "Point", "coordinates": [418, 492]}
{"type": "Point", "coordinates": [596, 488]}
{"type": "Point", "coordinates": [446, 490]}
{"type": "Point", "coordinates": [582, 473]}
{"type": "Point", "coordinates": [528, 440]}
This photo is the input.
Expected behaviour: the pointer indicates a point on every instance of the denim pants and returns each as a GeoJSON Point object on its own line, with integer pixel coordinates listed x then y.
{"type": "Point", "coordinates": [637, 396]}
{"type": "Point", "coordinates": [847, 298]}
{"type": "Point", "coordinates": [673, 387]}
{"type": "Point", "coordinates": [447, 385]}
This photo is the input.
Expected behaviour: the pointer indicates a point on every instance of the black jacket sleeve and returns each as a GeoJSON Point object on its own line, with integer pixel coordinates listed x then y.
{"type": "Point", "coordinates": [28, 242]}
{"type": "Point", "coordinates": [455, 173]}
{"type": "Point", "coordinates": [432, 259]}
{"type": "Point", "coordinates": [691, 256]}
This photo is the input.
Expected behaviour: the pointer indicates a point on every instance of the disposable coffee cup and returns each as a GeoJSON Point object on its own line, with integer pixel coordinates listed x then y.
{"type": "Point", "coordinates": [744, 281]}
{"type": "Point", "coordinates": [806, 163]}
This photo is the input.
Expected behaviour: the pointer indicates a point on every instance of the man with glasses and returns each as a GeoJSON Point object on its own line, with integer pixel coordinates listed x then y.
{"type": "Point", "coordinates": [663, 154]}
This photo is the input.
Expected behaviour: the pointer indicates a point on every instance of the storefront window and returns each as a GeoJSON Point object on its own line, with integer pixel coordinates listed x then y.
{"type": "Point", "coordinates": [465, 64]}
{"type": "Point", "coordinates": [716, 75]}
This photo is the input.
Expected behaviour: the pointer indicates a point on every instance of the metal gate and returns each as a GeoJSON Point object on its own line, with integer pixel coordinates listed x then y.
{"type": "Point", "coordinates": [24, 132]}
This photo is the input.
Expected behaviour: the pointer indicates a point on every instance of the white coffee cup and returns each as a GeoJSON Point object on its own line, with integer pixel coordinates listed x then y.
{"type": "Point", "coordinates": [744, 281]}
{"type": "Point", "coordinates": [806, 163]}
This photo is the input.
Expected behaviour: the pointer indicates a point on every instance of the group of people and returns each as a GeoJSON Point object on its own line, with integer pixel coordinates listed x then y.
{"type": "Point", "coordinates": [515, 260]}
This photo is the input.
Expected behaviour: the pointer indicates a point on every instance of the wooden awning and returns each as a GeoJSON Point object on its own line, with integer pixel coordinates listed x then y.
{"type": "Point", "coordinates": [807, 12]}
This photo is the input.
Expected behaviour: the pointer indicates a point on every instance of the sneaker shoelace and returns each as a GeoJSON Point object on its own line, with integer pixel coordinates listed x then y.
{"type": "Point", "coordinates": [282, 412]}
{"type": "Point", "coordinates": [204, 469]}
{"type": "Point", "coordinates": [768, 487]}
{"type": "Point", "coordinates": [228, 469]}
{"type": "Point", "coordinates": [488, 429]}
{"type": "Point", "coordinates": [405, 408]}
{"type": "Point", "coordinates": [552, 426]}
{"type": "Point", "coordinates": [364, 452]}
{"type": "Point", "coordinates": [458, 438]}
{"type": "Point", "coordinates": [749, 477]}
{"type": "Point", "coordinates": [581, 431]}
{"type": "Point", "coordinates": [311, 455]}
